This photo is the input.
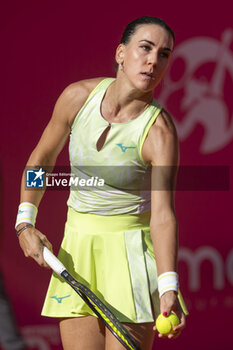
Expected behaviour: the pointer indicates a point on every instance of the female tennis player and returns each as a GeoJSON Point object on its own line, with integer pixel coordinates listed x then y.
{"type": "Point", "coordinates": [122, 244]}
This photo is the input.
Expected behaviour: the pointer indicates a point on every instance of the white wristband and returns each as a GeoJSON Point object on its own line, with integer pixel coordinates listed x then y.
{"type": "Point", "coordinates": [27, 213]}
{"type": "Point", "coordinates": [167, 281]}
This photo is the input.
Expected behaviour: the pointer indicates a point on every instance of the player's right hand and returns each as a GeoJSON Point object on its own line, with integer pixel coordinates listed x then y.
{"type": "Point", "coordinates": [31, 241]}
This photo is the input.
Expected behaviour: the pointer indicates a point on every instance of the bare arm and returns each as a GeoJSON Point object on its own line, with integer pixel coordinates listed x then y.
{"type": "Point", "coordinates": [164, 226]}
{"type": "Point", "coordinates": [45, 154]}
{"type": "Point", "coordinates": [162, 150]}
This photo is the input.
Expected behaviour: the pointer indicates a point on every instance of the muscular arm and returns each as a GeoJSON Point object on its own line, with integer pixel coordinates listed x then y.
{"type": "Point", "coordinates": [45, 154]}
{"type": "Point", "coordinates": [162, 151]}
{"type": "Point", "coordinates": [164, 160]}
{"type": "Point", "coordinates": [57, 131]}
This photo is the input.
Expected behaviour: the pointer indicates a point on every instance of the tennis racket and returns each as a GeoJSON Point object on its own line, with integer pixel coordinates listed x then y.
{"type": "Point", "coordinates": [95, 304]}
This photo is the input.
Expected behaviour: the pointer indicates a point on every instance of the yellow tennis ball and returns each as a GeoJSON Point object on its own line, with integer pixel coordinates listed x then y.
{"type": "Point", "coordinates": [165, 324]}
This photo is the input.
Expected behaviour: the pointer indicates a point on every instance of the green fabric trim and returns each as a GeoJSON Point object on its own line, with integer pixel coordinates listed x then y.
{"type": "Point", "coordinates": [158, 111]}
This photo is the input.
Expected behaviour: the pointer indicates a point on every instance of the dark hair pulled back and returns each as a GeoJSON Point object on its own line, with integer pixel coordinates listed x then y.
{"type": "Point", "coordinates": [132, 27]}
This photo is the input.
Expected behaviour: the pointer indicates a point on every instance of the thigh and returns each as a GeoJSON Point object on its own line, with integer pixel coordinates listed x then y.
{"type": "Point", "coordinates": [82, 333]}
{"type": "Point", "coordinates": [142, 332]}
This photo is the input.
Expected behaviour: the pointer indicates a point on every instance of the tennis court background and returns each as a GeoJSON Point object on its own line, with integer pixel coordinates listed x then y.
{"type": "Point", "coordinates": [48, 45]}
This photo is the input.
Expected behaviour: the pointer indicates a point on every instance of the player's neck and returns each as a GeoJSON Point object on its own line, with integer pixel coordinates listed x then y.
{"type": "Point", "coordinates": [123, 101]}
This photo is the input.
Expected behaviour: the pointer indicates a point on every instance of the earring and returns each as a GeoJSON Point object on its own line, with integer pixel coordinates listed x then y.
{"type": "Point", "coordinates": [121, 66]}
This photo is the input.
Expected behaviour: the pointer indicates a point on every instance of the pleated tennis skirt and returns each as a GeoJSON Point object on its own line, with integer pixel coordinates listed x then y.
{"type": "Point", "coordinates": [113, 256]}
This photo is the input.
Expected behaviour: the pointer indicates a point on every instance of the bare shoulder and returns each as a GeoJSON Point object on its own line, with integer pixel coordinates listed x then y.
{"type": "Point", "coordinates": [162, 140]}
{"type": "Point", "coordinates": [164, 124]}
{"type": "Point", "coordinates": [163, 130]}
{"type": "Point", "coordinates": [74, 96]}
{"type": "Point", "coordinates": [81, 89]}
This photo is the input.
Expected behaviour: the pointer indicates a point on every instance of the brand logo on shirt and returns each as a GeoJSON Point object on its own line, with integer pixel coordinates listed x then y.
{"type": "Point", "coordinates": [124, 148]}
{"type": "Point", "coordinates": [59, 299]}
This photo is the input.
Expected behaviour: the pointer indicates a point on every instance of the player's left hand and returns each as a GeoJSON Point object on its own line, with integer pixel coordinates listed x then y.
{"type": "Point", "coordinates": [169, 303]}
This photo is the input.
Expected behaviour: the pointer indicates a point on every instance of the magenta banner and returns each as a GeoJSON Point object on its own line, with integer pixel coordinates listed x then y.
{"type": "Point", "coordinates": [46, 46]}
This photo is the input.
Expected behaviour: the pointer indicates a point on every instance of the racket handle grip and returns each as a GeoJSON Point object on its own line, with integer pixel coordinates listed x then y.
{"type": "Point", "coordinates": [53, 261]}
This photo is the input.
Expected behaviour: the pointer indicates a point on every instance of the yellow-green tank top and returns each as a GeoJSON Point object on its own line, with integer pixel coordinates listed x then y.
{"type": "Point", "coordinates": [109, 181]}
